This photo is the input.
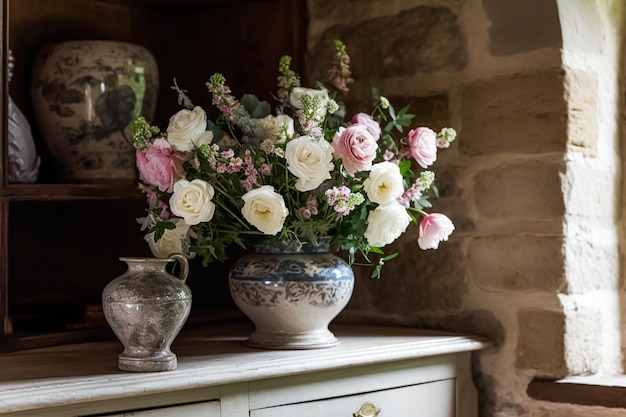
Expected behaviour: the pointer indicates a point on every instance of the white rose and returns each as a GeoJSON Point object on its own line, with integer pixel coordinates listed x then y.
{"type": "Point", "coordinates": [187, 130]}
{"type": "Point", "coordinates": [270, 126]}
{"type": "Point", "coordinates": [192, 201]}
{"type": "Point", "coordinates": [173, 241]}
{"type": "Point", "coordinates": [384, 184]}
{"type": "Point", "coordinates": [265, 209]}
{"type": "Point", "coordinates": [295, 98]}
{"type": "Point", "coordinates": [386, 223]}
{"type": "Point", "coordinates": [309, 159]}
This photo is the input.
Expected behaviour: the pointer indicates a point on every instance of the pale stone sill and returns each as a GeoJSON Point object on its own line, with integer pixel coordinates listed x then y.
{"type": "Point", "coordinates": [604, 391]}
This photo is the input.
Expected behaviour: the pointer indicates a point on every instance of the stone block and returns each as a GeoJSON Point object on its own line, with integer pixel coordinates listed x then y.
{"type": "Point", "coordinates": [452, 201]}
{"type": "Point", "coordinates": [584, 30]}
{"type": "Point", "coordinates": [429, 110]}
{"type": "Point", "coordinates": [521, 113]}
{"type": "Point", "coordinates": [592, 251]}
{"type": "Point", "coordinates": [540, 342]}
{"type": "Point", "coordinates": [517, 263]}
{"type": "Point", "coordinates": [447, 181]}
{"type": "Point", "coordinates": [420, 40]}
{"type": "Point", "coordinates": [338, 10]}
{"type": "Point", "coordinates": [581, 92]}
{"type": "Point", "coordinates": [591, 191]}
{"type": "Point", "coordinates": [493, 399]}
{"type": "Point", "coordinates": [586, 333]}
{"type": "Point", "coordinates": [530, 190]}
{"type": "Point", "coordinates": [416, 280]}
{"type": "Point", "coordinates": [480, 322]}
{"type": "Point", "coordinates": [432, 111]}
{"type": "Point", "coordinates": [521, 26]}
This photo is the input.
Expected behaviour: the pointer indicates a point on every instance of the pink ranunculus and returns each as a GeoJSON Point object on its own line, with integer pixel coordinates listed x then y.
{"type": "Point", "coordinates": [372, 125]}
{"type": "Point", "coordinates": [153, 202]}
{"type": "Point", "coordinates": [356, 147]}
{"type": "Point", "coordinates": [423, 146]}
{"type": "Point", "coordinates": [434, 228]}
{"type": "Point", "coordinates": [160, 165]}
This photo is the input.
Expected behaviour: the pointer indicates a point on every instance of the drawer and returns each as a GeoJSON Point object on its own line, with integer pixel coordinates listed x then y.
{"type": "Point", "coordinates": [204, 409]}
{"type": "Point", "coordinates": [433, 399]}
{"type": "Point", "coordinates": [336, 383]}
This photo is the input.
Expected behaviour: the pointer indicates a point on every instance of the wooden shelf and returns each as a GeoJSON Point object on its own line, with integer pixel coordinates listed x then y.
{"type": "Point", "coordinates": [178, 5]}
{"type": "Point", "coordinates": [69, 192]}
{"type": "Point", "coordinates": [61, 242]}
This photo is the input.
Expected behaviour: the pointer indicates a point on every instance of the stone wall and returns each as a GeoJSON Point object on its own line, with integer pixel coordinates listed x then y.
{"type": "Point", "coordinates": [532, 184]}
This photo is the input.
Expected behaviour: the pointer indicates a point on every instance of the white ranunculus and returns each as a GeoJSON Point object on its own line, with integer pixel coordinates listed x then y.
{"type": "Point", "coordinates": [309, 159]}
{"type": "Point", "coordinates": [191, 200]}
{"type": "Point", "coordinates": [173, 241]}
{"type": "Point", "coordinates": [187, 130]}
{"type": "Point", "coordinates": [384, 184]}
{"type": "Point", "coordinates": [386, 223]}
{"type": "Point", "coordinates": [270, 125]}
{"type": "Point", "coordinates": [295, 98]}
{"type": "Point", "coordinates": [265, 209]}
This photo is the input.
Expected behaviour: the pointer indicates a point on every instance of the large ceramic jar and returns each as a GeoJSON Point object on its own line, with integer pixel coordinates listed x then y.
{"type": "Point", "coordinates": [291, 292]}
{"type": "Point", "coordinates": [84, 95]}
{"type": "Point", "coordinates": [146, 307]}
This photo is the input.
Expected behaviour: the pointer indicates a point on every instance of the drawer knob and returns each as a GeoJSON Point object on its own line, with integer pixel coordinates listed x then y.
{"type": "Point", "coordinates": [368, 409]}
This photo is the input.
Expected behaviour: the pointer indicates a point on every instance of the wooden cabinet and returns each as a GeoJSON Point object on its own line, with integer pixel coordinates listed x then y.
{"type": "Point", "coordinates": [432, 399]}
{"type": "Point", "coordinates": [59, 242]}
{"type": "Point", "coordinates": [403, 372]}
{"type": "Point", "coordinates": [204, 409]}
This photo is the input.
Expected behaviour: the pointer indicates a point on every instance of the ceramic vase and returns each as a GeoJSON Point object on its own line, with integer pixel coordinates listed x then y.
{"type": "Point", "coordinates": [146, 307]}
{"type": "Point", "coordinates": [84, 95]}
{"type": "Point", "coordinates": [291, 292]}
{"type": "Point", "coordinates": [23, 160]}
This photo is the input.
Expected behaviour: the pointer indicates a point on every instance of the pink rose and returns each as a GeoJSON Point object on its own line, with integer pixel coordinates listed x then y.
{"type": "Point", "coordinates": [372, 125]}
{"type": "Point", "coordinates": [159, 165]}
{"type": "Point", "coordinates": [434, 228]}
{"type": "Point", "coordinates": [356, 147]}
{"type": "Point", "coordinates": [423, 146]}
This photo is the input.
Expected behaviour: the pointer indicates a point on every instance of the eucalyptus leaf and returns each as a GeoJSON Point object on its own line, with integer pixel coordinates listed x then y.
{"type": "Point", "coordinates": [218, 133]}
{"type": "Point", "coordinates": [256, 108]}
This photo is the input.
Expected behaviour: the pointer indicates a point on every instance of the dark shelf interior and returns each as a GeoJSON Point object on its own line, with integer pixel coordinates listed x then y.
{"type": "Point", "coordinates": [60, 243]}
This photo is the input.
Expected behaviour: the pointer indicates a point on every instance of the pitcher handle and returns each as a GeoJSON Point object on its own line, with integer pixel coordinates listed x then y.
{"type": "Point", "coordinates": [183, 263]}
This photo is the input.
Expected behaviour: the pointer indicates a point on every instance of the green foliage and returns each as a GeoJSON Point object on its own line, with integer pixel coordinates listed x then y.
{"type": "Point", "coordinates": [256, 109]}
{"type": "Point", "coordinates": [183, 98]}
{"type": "Point", "coordinates": [142, 132]}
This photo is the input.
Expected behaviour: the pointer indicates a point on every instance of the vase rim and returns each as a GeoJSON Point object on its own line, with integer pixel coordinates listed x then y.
{"type": "Point", "coordinates": [294, 246]}
{"type": "Point", "coordinates": [144, 259]}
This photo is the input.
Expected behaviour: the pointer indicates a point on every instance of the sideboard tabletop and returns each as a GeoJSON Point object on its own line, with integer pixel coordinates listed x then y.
{"type": "Point", "coordinates": [85, 372]}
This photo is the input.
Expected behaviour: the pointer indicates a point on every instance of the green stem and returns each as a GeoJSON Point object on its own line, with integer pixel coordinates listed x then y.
{"type": "Point", "coordinates": [223, 206]}
{"type": "Point", "coordinates": [421, 212]}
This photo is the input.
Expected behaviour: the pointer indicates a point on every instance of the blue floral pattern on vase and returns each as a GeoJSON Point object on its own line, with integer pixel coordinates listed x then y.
{"type": "Point", "coordinates": [291, 296]}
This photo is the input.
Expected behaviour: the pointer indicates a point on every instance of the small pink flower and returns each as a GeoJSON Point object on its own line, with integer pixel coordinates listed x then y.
{"type": "Point", "coordinates": [151, 198]}
{"type": "Point", "coordinates": [165, 212]}
{"type": "Point", "coordinates": [229, 153]}
{"type": "Point", "coordinates": [372, 125]}
{"type": "Point", "coordinates": [356, 147]}
{"type": "Point", "coordinates": [434, 228]}
{"type": "Point", "coordinates": [389, 156]}
{"type": "Point", "coordinates": [154, 202]}
{"type": "Point", "coordinates": [306, 213]}
{"type": "Point", "coordinates": [159, 165]}
{"type": "Point", "coordinates": [266, 169]}
{"type": "Point", "coordinates": [423, 146]}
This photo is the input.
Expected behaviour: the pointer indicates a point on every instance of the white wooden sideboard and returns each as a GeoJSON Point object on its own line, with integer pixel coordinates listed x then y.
{"type": "Point", "coordinates": [401, 372]}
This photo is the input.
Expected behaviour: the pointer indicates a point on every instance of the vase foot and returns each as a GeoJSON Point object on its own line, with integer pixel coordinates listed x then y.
{"type": "Point", "coordinates": [282, 340]}
{"type": "Point", "coordinates": [168, 363]}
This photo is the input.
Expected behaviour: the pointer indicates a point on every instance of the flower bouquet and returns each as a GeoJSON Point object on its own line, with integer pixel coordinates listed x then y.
{"type": "Point", "coordinates": [298, 172]}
